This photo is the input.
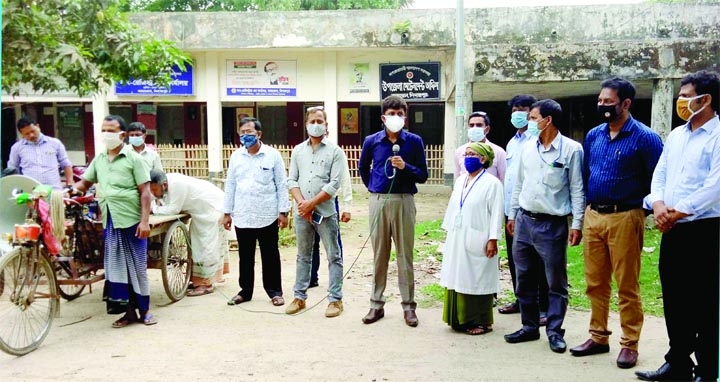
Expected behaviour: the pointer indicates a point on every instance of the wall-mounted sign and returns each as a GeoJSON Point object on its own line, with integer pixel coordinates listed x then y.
{"type": "Point", "coordinates": [411, 81]}
{"type": "Point", "coordinates": [182, 85]}
{"type": "Point", "coordinates": [359, 78]}
{"type": "Point", "coordinates": [261, 78]}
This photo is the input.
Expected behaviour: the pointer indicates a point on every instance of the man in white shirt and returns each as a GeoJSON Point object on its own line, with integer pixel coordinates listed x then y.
{"type": "Point", "coordinates": [685, 199]}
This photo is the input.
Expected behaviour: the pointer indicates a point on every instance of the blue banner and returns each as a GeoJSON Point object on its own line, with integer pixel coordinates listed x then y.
{"type": "Point", "coordinates": [262, 92]}
{"type": "Point", "coordinates": [182, 85]}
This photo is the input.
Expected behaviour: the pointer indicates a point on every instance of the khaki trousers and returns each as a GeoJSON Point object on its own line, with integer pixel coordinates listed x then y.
{"type": "Point", "coordinates": [613, 244]}
{"type": "Point", "coordinates": [392, 216]}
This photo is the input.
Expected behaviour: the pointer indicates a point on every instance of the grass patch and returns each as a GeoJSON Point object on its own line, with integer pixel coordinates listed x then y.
{"type": "Point", "coordinates": [431, 293]}
{"type": "Point", "coordinates": [428, 235]}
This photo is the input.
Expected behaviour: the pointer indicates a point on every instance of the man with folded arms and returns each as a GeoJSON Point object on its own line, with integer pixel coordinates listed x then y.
{"type": "Point", "coordinates": [620, 156]}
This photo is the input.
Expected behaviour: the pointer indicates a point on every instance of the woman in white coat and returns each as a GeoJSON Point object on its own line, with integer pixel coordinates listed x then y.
{"type": "Point", "coordinates": [474, 222]}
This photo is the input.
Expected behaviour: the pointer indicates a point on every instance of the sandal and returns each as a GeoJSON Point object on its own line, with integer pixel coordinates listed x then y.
{"type": "Point", "coordinates": [236, 300]}
{"type": "Point", "coordinates": [479, 330]}
{"type": "Point", "coordinates": [123, 322]}
{"type": "Point", "coordinates": [278, 301]}
{"type": "Point", "coordinates": [200, 291]}
{"type": "Point", "coordinates": [149, 319]}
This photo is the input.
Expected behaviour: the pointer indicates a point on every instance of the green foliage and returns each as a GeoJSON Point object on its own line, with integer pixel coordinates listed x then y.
{"type": "Point", "coordinates": [402, 27]}
{"type": "Point", "coordinates": [260, 5]}
{"type": "Point", "coordinates": [79, 46]}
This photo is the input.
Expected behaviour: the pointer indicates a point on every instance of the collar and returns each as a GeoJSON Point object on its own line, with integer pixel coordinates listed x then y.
{"type": "Point", "coordinates": [41, 139]}
{"type": "Point", "coordinates": [555, 144]}
{"type": "Point", "coordinates": [628, 128]}
{"type": "Point", "coordinates": [308, 141]}
{"type": "Point", "coordinates": [262, 150]}
{"type": "Point", "coordinates": [713, 124]}
{"type": "Point", "coordinates": [401, 135]}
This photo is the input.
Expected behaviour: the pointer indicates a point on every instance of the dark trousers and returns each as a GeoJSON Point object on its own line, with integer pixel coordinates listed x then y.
{"type": "Point", "coordinates": [690, 284]}
{"type": "Point", "coordinates": [316, 249]}
{"type": "Point", "coordinates": [247, 239]}
{"type": "Point", "coordinates": [541, 241]}
{"type": "Point", "coordinates": [542, 281]}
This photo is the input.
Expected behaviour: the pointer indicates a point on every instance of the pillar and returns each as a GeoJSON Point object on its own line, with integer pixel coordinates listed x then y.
{"type": "Point", "coordinates": [211, 81]}
{"type": "Point", "coordinates": [662, 107]}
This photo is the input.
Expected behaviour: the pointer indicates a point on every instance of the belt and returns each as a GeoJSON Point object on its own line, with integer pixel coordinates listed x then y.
{"type": "Point", "coordinates": [539, 216]}
{"type": "Point", "coordinates": [612, 208]}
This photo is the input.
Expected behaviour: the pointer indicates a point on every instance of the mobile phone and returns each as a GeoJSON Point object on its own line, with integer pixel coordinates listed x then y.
{"type": "Point", "coordinates": [317, 218]}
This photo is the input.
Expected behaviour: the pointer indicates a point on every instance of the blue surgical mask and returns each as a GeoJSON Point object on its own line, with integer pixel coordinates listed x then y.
{"type": "Point", "coordinates": [519, 119]}
{"type": "Point", "coordinates": [476, 134]}
{"type": "Point", "coordinates": [136, 141]}
{"type": "Point", "coordinates": [533, 129]}
{"type": "Point", "coordinates": [248, 140]}
{"type": "Point", "coordinates": [472, 164]}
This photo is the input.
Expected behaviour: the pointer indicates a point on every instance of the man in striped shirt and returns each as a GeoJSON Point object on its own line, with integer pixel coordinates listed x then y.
{"type": "Point", "coordinates": [620, 156]}
{"type": "Point", "coordinates": [39, 156]}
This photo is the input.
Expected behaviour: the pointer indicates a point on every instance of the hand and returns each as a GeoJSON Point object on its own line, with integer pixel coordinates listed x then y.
{"type": "Point", "coordinates": [282, 221]}
{"type": "Point", "coordinates": [397, 162]}
{"type": "Point", "coordinates": [345, 217]}
{"type": "Point", "coordinates": [307, 217]}
{"type": "Point", "coordinates": [510, 227]}
{"type": "Point", "coordinates": [663, 216]}
{"type": "Point", "coordinates": [491, 249]}
{"type": "Point", "coordinates": [226, 221]}
{"type": "Point", "coordinates": [305, 207]}
{"type": "Point", "coordinates": [143, 230]}
{"type": "Point", "coordinates": [574, 237]}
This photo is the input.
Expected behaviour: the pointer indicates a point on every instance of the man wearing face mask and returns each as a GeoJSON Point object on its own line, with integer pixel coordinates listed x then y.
{"type": "Point", "coordinates": [549, 187]}
{"type": "Point", "coordinates": [391, 178]}
{"type": "Point", "coordinates": [123, 183]}
{"type": "Point", "coordinates": [685, 199]}
{"type": "Point", "coordinates": [38, 156]}
{"type": "Point", "coordinates": [136, 138]}
{"type": "Point", "coordinates": [203, 201]}
{"type": "Point", "coordinates": [478, 128]}
{"type": "Point", "coordinates": [620, 156]}
{"type": "Point", "coordinates": [256, 203]}
{"type": "Point", "coordinates": [520, 107]}
{"type": "Point", "coordinates": [316, 171]}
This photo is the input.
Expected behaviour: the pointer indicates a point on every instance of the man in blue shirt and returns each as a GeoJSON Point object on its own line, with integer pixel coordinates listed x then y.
{"type": "Point", "coordinates": [392, 161]}
{"type": "Point", "coordinates": [685, 198]}
{"type": "Point", "coordinates": [620, 156]}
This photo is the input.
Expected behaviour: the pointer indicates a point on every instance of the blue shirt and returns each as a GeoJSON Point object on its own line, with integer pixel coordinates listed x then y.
{"type": "Point", "coordinates": [377, 148]}
{"type": "Point", "coordinates": [687, 176]}
{"type": "Point", "coordinates": [619, 170]}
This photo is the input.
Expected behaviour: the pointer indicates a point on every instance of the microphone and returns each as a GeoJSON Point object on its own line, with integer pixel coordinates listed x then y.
{"type": "Point", "coordinates": [395, 150]}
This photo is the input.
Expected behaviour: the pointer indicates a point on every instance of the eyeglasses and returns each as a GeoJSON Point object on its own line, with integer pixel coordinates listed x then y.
{"type": "Point", "coordinates": [471, 155]}
{"type": "Point", "coordinates": [314, 108]}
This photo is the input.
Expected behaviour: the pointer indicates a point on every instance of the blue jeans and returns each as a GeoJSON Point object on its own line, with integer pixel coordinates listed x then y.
{"type": "Point", "coordinates": [541, 241]}
{"type": "Point", "coordinates": [305, 236]}
{"type": "Point", "coordinates": [316, 249]}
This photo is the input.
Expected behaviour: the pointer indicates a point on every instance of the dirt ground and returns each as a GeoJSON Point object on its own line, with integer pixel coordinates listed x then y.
{"type": "Point", "coordinates": [204, 339]}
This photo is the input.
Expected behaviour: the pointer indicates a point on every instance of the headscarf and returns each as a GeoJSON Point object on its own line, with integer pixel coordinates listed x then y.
{"type": "Point", "coordinates": [483, 149]}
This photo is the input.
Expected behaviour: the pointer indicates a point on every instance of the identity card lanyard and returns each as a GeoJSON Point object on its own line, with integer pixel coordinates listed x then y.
{"type": "Point", "coordinates": [458, 218]}
{"type": "Point", "coordinates": [555, 162]}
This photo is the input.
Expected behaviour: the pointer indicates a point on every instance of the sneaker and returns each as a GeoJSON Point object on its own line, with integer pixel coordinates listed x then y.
{"type": "Point", "coordinates": [295, 306]}
{"type": "Point", "coordinates": [334, 309]}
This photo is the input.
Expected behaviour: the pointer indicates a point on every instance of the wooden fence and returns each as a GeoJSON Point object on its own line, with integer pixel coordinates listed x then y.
{"type": "Point", "coordinates": [192, 160]}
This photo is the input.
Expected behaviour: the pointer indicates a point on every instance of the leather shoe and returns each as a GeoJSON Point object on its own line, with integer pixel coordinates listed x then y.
{"type": "Point", "coordinates": [589, 347]}
{"type": "Point", "coordinates": [411, 318]}
{"type": "Point", "coordinates": [510, 308]}
{"type": "Point", "coordinates": [627, 358]}
{"type": "Point", "coordinates": [522, 335]}
{"type": "Point", "coordinates": [557, 343]}
{"type": "Point", "coordinates": [665, 373]}
{"type": "Point", "coordinates": [373, 315]}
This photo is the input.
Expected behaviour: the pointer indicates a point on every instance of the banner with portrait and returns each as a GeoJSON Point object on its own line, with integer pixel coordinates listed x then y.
{"type": "Point", "coordinates": [261, 78]}
{"type": "Point", "coordinates": [349, 120]}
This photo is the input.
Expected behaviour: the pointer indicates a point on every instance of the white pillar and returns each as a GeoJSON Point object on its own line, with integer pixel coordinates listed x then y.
{"type": "Point", "coordinates": [100, 110]}
{"type": "Point", "coordinates": [662, 107]}
{"type": "Point", "coordinates": [211, 81]}
{"type": "Point", "coordinates": [330, 70]}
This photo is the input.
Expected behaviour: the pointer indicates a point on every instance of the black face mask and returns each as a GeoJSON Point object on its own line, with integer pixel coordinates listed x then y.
{"type": "Point", "coordinates": [607, 113]}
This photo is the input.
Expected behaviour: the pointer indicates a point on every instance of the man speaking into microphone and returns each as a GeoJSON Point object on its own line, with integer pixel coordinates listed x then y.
{"type": "Point", "coordinates": [392, 161]}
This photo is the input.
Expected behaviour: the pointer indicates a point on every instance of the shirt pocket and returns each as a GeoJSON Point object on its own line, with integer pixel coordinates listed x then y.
{"type": "Point", "coordinates": [554, 178]}
{"type": "Point", "coordinates": [265, 173]}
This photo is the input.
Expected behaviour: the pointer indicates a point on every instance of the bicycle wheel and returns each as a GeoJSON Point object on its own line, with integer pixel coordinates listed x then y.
{"type": "Point", "coordinates": [63, 272]}
{"type": "Point", "coordinates": [29, 300]}
{"type": "Point", "coordinates": [177, 261]}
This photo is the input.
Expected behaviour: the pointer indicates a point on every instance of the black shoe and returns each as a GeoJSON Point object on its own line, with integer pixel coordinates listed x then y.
{"type": "Point", "coordinates": [522, 336]}
{"type": "Point", "coordinates": [665, 373]}
{"type": "Point", "coordinates": [557, 343]}
{"type": "Point", "coordinates": [314, 284]}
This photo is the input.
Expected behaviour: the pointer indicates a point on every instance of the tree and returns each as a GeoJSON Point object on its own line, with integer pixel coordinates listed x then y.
{"type": "Point", "coordinates": [260, 5]}
{"type": "Point", "coordinates": [80, 46]}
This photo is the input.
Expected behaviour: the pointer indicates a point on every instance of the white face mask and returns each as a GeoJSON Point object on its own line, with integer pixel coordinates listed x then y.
{"type": "Point", "coordinates": [111, 140]}
{"type": "Point", "coordinates": [476, 134]}
{"type": "Point", "coordinates": [394, 123]}
{"type": "Point", "coordinates": [315, 130]}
